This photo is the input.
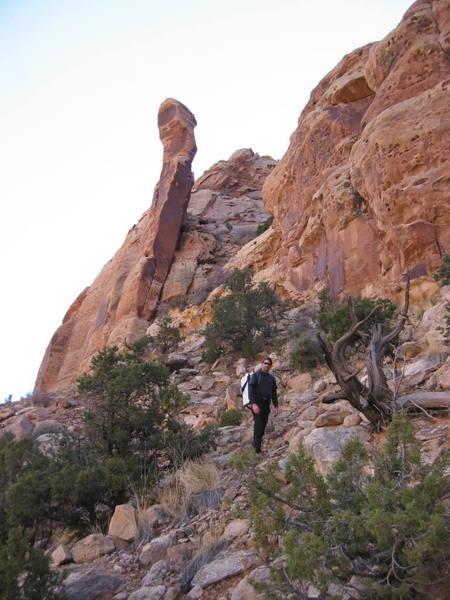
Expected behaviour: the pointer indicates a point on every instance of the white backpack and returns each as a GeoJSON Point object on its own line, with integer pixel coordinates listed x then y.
{"type": "Point", "coordinates": [245, 379]}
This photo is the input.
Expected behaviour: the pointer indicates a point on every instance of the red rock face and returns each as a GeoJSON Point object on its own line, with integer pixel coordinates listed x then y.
{"type": "Point", "coordinates": [362, 194]}
{"type": "Point", "coordinates": [123, 298]}
{"type": "Point", "coordinates": [224, 212]}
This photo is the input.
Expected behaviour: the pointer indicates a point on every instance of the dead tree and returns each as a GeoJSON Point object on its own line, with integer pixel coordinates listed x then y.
{"type": "Point", "coordinates": [375, 400]}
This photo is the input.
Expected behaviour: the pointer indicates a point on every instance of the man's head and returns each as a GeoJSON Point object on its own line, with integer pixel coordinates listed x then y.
{"type": "Point", "coordinates": [266, 364]}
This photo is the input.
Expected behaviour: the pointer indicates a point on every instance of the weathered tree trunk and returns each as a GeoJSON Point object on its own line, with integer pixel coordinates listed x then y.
{"type": "Point", "coordinates": [376, 400]}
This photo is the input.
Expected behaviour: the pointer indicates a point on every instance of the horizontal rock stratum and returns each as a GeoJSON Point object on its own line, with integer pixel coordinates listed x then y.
{"type": "Point", "coordinates": [362, 194]}
{"type": "Point", "coordinates": [123, 297]}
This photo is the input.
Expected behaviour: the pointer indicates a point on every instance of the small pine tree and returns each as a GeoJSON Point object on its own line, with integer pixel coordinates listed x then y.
{"type": "Point", "coordinates": [335, 321]}
{"type": "Point", "coordinates": [388, 529]}
{"type": "Point", "coordinates": [443, 273]}
{"type": "Point", "coordinates": [25, 572]}
{"type": "Point", "coordinates": [306, 355]}
{"type": "Point", "coordinates": [242, 320]}
{"type": "Point", "coordinates": [128, 399]}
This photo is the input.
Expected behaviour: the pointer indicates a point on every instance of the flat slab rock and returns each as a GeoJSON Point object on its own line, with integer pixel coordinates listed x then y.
{"type": "Point", "coordinates": [226, 566]}
{"type": "Point", "coordinates": [91, 584]}
{"type": "Point", "coordinates": [148, 593]}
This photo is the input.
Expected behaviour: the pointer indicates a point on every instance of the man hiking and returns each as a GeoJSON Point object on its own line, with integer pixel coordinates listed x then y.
{"type": "Point", "coordinates": [262, 391]}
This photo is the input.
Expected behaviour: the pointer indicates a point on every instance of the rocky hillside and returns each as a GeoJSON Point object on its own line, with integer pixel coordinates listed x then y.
{"type": "Point", "coordinates": [359, 199]}
{"type": "Point", "coordinates": [201, 543]}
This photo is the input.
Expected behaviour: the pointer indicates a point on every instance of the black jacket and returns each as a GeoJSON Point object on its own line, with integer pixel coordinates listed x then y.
{"type": "Point", "coordinates": [262, 389]}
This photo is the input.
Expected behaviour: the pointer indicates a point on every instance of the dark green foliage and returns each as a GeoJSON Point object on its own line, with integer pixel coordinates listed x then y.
{"type": "Point", "coordinates": [443, 273]}
{"type": "Point", "coordinates": [128, 399]}
{"type": "Point", "coordinates": [262, 227]}
{"type": "Point", "coordinates": [25, 572]}
{"type": "Point", "coordinates": [181, 443]}
{"type": "Point", "coordinates": [389, 528]}
{"type": "Point", "coordinates": [166, 340]}
{"type": "Point", "coordinates": [38, 491]}
{"type": "Point", "coordinates": [242, 320]}
{"type": "Point", "coordinates": [306, 355]}
{"type": "Point", "coordinates": [231, 417]}
{"type": "Point", "coordinates": [168, 337]}
{"type": "Point", "coordinates": [335, 321]}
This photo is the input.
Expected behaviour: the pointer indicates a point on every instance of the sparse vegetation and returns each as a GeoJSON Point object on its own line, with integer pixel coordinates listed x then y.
{"type": "Point", "coordinates": [167, 339]}
{"type": "Point", "coordinates": [443, 272]}
{"type": "Point", "coordinates": [193, 478]}
{"type": "Point", "coordinates": [25, 572]}
{"type": "Point", "coordinates": [306, 355]}
{"type": "Point", "coordinates": [243, 319]}
{"type": "Point", "coordinates": [231, 417]}
{"type": "Point", "coordinates": [386, 527]}
{"type": "Point", "coordinates": [199, 476]}
{"type": "Point", "coordinates": [336, 320]}
{"type": "Point", "coordinates": [262, 227]}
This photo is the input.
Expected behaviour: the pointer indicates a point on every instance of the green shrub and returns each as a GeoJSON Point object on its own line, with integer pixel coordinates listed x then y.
{"type": "Point", "coordinates": [262, 227]}
{"type": "Point", "coordinates": [335, 321]}
{"type": "Point", "coordinates": [306, 355]}
{"type": "Point", "coordinates": [443, 273]}
{"type": "Point", "coordinates": [242, 320]}
{"type": "Point", "coordinates": [166, 340]}
{"type": "Point", "coordinates": [25, 572]}
{"type": "Point", "coordinates": [389, 528]}
{"type": "Point", "coordinates": [128, 399]}
{"type": "Point", "coordinates": [181, 443]}
{"type": "Point", "coordinates": [231, 417]}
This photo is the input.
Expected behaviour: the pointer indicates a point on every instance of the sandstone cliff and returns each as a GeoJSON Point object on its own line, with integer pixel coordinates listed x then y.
{"type": "Point", "coordinates": [359, 199]}
{"type": "Point", "coordinates": [123, 297]}
{"type": "Point", "coordinates": [362, 194]}
{"type": "Point", "coordinates": [172, 257]}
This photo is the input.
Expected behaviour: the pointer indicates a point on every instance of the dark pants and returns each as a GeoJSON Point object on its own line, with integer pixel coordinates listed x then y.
{"type": "Point", "coordinates": [259, 426]}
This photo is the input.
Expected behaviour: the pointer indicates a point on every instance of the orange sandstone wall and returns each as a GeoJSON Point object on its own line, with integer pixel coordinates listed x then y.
{"type": "Point", "coordinates": [362, 194]}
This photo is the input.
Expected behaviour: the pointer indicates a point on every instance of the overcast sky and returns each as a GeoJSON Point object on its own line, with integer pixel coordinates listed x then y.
{"type": "Point", "coordinates": [81, 83]}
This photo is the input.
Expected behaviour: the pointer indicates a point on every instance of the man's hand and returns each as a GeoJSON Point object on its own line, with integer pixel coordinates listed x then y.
{"type": "Point", "coordinates": [275, 411]}
{"type": "Point", "coordinates": [255, 409]}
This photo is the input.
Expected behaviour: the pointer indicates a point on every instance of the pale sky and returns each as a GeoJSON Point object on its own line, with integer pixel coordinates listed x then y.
{"type": "Point", "coordinates": [81, 83]}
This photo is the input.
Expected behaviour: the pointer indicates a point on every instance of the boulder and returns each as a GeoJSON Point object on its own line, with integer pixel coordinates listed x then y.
{"type": "Point", "coordinates": [154, 515]}
{"type": "Point", "coordinates": [351, 420]}
{"type": "Point", "coordinates": [123, 523]}
{"type": "Point", "coordinates": [92, 547]}
{"type": "Point", "coordinates": [231, 563]}
{"type": "Point", "coordinates": [246, 591]}
{"type": "Point", "coordinates": [20, 427]}
{"type": "Point", "coordinates": [6, 412]}
{"type": "Point", "coordinates": [156, 549]}
{"type": "Point", "coordinates": [300, 383]}
{"type": "Point", "coordinates": [61, 555]}
{"type": "Point", "coordinates": [49, 443]}
{"type": "Point", "coordinates": [176, 361]}
{"type": "Point", "coordinates": [415, 372]}
{"type": "Point", "coordinates": [48, 426]}
{"type": "Point", "coordinates": [236, 529]}
{"type": "Point", "coordinates": [326, 444]}
{"type": "Point", "coordinates": [311, 413]}
{"type": "Point", "coordinates": [330, 418]}
{"type": "Point", "coordinates": [178, 556]}
{"type": "Point", "coordinates": [148, 593]}
{"type": "Point", "coordinates": [156, 574]}
{"type": "Point", "coordinates": [95, 583]}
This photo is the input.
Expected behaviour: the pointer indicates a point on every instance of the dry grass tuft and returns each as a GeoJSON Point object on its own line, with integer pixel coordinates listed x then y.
{"type": "Point", "coordinates": [194, 477]}
{"type": "Point", "coordinates": [175, 500]}
{"type": "Point", "coordinates": [199, 476]}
